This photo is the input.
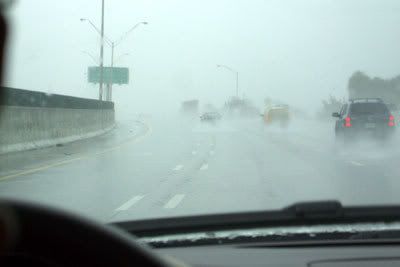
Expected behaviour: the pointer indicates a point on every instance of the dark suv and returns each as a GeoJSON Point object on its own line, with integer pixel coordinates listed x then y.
{"type": "Point", "coordinates": [364, 117]}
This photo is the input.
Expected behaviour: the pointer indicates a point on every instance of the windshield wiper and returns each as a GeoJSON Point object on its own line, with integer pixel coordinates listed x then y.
{"type": "Point", "coordinates": [318, 209]}
{"type": "Point", "coordinates": [299, 214]}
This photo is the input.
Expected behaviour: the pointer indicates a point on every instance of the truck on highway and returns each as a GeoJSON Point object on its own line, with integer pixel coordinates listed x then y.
{"type": "Point", "coordinates": [276, 115]}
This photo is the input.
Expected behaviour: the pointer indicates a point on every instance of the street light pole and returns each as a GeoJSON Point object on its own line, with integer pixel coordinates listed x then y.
{"type": "Point", "coordinates": [113, 45]}
{"type": "Point", "coordinates": [101, 52]}
{"type": "Point", "coordinates": [95, 60]}
{"type": "Point", "coordinates": [129, 31]}
{"type": "Point", "coordinates": [106, 39]}
{"type": "Point", "coordinates": [237, 77]}
{"type": "Point", "coordinates": [112, 72]}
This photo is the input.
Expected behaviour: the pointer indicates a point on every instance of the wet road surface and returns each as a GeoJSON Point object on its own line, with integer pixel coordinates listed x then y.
{"type": "Point", "coordinates": [149, 168]}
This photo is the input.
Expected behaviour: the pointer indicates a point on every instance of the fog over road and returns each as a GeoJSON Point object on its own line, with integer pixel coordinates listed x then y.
{"type": "Point", "coordinates": [150, 167]}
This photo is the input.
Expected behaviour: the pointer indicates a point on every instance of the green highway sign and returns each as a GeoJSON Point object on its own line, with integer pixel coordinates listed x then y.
{"type": "Point", "coordinates": [113, 75]}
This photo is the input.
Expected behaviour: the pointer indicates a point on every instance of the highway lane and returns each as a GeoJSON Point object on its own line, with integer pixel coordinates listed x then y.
{"type": "Point", "coordinates": [252, 168]}
{"type": "Point", "coordinates": [170, 167]}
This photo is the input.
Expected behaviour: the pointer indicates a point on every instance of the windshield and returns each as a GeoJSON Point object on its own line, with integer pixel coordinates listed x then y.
{"type": "Point", "coordinates": [368, 108]}
{"type": "Point", "coordinates": [125, 110]}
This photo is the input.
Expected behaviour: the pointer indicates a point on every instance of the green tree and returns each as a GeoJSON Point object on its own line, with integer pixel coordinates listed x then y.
{"type": "Point", "coordinates": [361, 85]}
{"type": "Point", "coordinates": [330, 105]}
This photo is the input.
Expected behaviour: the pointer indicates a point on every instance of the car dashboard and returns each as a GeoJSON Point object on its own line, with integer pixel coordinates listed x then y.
{"type": "Point", "coordinates": [286, 255]}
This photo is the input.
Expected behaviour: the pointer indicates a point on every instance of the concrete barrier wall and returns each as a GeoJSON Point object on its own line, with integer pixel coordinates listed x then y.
{"type": "Point", "coordinates": [32, 119]}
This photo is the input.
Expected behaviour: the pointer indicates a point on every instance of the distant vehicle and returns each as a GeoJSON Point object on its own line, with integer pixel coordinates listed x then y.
{"type": "Point", "coordinates": [190, 107]}
{"type": "Point", "coordinates": [364, 117]}
{"type": "Point", "coordinates": [210, 116]}
{"type": "Point", "coordinates": [277, 115]}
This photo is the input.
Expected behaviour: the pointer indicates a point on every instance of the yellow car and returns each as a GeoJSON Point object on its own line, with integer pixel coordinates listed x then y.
{"type": "Point", "coordinates": [277, 115]}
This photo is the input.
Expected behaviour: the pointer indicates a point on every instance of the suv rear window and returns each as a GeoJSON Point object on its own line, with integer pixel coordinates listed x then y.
{"type": "Point", "coordinates": [368, 108]}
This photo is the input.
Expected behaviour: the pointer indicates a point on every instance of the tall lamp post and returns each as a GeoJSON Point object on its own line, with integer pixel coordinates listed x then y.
{"type": "Point", "coordinates": [113, 45]}
{"type": "Point", "coordinates": [237, 76]}
{"type": "Point", "coordinates": [101, 32]}
{"type": "Point", "coordinates": [101, 52]}
{"type": "Point", "coordinates": [95, 60]}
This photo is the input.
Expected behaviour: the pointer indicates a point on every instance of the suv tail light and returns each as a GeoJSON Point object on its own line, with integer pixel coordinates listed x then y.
{"type": "Point", "coordinates": [347, 122]}
{"type": "Point", "coordinates": [391, 121]}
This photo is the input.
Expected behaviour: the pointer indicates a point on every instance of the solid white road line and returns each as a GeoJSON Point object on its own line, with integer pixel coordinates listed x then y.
{"type": "Point", "coordinates": [204, 167]}
{"type": "Point", "coordinates": [133, 140]}
{"type": "Point", "coordinates": [130, 203]}
{"type": "Point", "coordinates": [174, 201]}
{"type": "Point", "coordinates": [178, 167]}
{"type": "Point", "coordinates": [356, 163]}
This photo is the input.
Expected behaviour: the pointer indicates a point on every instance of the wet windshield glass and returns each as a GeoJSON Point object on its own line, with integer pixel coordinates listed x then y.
{"type": "Point", "coordinates": [123, 110]}
{"type": "Point", "coordinates": [368, 108]}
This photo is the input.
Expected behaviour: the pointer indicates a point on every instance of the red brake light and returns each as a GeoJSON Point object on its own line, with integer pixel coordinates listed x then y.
{"type": "Point", "coordinates": [347, 122]}
{"type": "Point", "coordinates": [391, 121]}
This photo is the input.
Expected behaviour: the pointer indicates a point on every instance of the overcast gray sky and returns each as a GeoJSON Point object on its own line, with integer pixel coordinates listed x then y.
{"type": "Point", "coordinates": [296, 51]}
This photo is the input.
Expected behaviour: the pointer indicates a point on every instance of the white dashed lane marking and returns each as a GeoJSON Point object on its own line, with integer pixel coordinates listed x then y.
{"type": "Point", "coordinates": [356, 163]}
{"type": "Point", "coordinates": [178, 167]}
{"type": "Point", "coordinates": [130, 203]}
{"type": "Point", "coordinates": [174, 201]}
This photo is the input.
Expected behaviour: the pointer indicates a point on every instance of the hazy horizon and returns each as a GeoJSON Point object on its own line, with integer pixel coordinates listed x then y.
{"type": "Point", "coordinates": [299, 52]}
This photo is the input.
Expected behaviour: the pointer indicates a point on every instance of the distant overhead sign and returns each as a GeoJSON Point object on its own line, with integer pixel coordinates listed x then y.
{"type": "Point", "coordinates": [113, 75]}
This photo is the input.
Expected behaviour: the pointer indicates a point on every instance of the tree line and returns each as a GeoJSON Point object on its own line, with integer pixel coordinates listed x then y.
{"type": "Point", "coordinates": [361, 85]}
